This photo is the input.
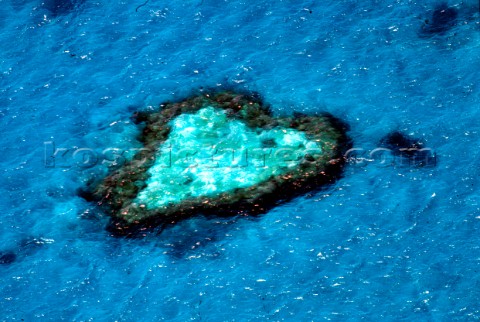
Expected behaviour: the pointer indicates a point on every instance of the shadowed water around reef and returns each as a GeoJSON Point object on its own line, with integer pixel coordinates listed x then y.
{"type": "Point", "coordinates": [392, 236]}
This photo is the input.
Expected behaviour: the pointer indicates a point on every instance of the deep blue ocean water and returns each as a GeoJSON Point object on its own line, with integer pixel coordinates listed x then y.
{"type": "Point", "coordinates": [386, 242]}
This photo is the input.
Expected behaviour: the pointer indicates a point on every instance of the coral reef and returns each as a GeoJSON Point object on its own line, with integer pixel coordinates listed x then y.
{"type": "Point", "coordinates": [220, 154]}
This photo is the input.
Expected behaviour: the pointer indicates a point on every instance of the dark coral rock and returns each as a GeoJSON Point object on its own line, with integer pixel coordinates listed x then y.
{"type": "Point", "coordinates": [27, 246]}
{"type": "Point", "coordinates": [443, 19]}
{"type": "Point", "coordinates": [117, 193]}
{"type": "Point", "coordinates": [410, 149]}
{"type": "Point", "coordinates": [7, 258]}
{"type": "Point", "coordinates": [61, 7]}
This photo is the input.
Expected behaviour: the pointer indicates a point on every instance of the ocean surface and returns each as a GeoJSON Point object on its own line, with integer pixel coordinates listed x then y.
{"type": "Point", "coordinates": [388, 241]}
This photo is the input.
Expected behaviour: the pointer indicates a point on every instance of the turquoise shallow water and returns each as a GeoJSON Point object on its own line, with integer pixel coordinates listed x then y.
{"type": "Point", "coordinates": [385, 242]}
{"type": "Point", "coordinates": [185, 167]}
